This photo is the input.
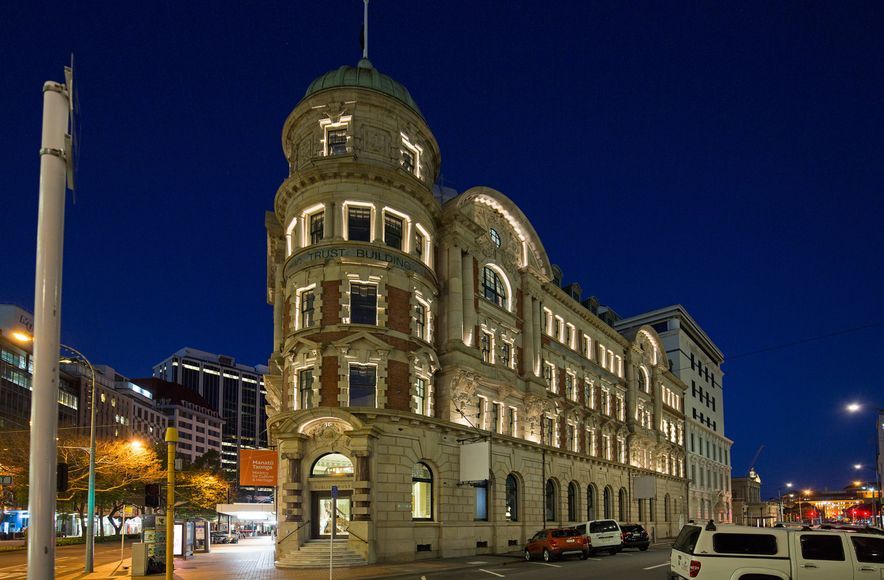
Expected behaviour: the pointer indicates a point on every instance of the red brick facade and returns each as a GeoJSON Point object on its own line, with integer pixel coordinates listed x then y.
{"type": "Point", "coordinates": [328, 389]}
{"type": "Point", "coordinates": [331, 302]}
{"type": "Point", "coordinates": [399, 310]}
{"type": "Point", "coordinates": [398, 386]}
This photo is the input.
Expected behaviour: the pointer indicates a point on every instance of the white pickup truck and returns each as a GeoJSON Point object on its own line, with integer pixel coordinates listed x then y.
{"type": "Point", "coordinates": [729, 552]}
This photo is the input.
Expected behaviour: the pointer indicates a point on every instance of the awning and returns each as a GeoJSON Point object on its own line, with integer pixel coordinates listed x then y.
{"type": "Point", "coordinates": [260, 512]}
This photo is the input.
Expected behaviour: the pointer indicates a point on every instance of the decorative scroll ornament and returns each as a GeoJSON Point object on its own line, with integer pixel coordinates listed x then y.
{"type": "Point", "coordinates": [463, 388]}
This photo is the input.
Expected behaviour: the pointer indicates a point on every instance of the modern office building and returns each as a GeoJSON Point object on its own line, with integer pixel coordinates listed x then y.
{"type": "Point", "coordinates": [198, 425]}
{"type": "Point", "coordinates": [427, 363]}
{"type": "Point", "coordinates": [695, 359]}
{"type": "Point", "coordinates": [236, 391]}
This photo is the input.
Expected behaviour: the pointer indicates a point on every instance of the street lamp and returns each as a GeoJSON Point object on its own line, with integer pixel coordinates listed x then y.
{"type": "Point", "coordinates": [780, 494]}
{"type": "Point", "coordinates": [90, 523]}
{"type": "Point", "coordinates": [853, 407]}
{"type": "Point", "coordinates": [877, 493]}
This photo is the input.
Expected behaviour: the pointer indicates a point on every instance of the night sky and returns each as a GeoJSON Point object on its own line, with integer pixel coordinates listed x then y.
{"type": "Point", "coordinates": [725, 156]}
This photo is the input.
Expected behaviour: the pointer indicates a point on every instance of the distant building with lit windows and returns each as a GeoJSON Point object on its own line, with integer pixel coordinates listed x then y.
{"type": "Point", "coordinates": [234, 390]}
{"type": "Point", "coordinates": [695, 359]}
{"type": "Point", "coordinates": [427, 363]}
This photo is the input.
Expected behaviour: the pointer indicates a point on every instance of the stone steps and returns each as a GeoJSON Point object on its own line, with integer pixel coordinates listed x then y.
{"type": "Point", "coordinates": [315, 554]}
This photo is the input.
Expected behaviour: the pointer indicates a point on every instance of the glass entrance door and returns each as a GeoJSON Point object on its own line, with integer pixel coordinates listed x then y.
{"type": "Point", "coordinates": [324, 508]}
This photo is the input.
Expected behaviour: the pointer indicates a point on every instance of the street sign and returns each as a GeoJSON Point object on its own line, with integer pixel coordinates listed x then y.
{"type": "Point", "coordinates": [334, 492]}
{"type": "Point", "coordinates": [5, 480]}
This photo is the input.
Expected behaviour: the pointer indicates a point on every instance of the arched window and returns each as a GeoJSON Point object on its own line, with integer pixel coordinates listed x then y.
{"type": "Point", "coordinates": [644, 383]}
{"type": "Point", "coordinates": [590, 502]}
{"type": "Point", "coordinates": [621, 505]}
{"type": "Point", "coordinates": [332, 465]}
{"type": "Point", "coordinates": [667, 509]}
{"type": "Point", "coordinates": [512, 498]}
{"type": "Point", "coordinates": [572, 502]}
{"type": "Point", "coordinates": [608, 502]}
{"type": "Point", "coordinates": [550, 501]}
{"type": "Point", "coordinates": [421, 492]}
{"type": "Point", "coordinates": [493, 287]}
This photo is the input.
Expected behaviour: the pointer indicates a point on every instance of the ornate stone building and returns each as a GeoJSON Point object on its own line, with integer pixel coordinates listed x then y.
{"type": "Point", "coordinates": [410, 325]}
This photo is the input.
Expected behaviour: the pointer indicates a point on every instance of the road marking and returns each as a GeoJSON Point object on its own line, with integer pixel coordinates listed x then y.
{"type": "Point", "coordinates": [595, 559]}
{"type": "Point", "coordinates": [625, 554]}
{"type": "Point", "coordinates": [477, 562]}
{"type": "Point", "coordinates": [492, 573]}
{"type": "Point", "coordinates": [657, 566]}
{"type": "Point", "coordinates": [545, 564]}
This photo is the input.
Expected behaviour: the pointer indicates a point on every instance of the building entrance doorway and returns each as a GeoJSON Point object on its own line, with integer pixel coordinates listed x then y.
{"type": "Point", "coordinates": [324, 506]}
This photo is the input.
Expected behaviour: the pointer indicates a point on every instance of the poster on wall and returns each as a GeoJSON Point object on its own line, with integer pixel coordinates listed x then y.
{"type": "Point", "coordinates": [257, 467]}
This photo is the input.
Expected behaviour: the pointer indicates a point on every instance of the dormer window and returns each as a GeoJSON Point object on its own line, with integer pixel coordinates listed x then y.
{"type": "Point", "coordinates": [410, 156]}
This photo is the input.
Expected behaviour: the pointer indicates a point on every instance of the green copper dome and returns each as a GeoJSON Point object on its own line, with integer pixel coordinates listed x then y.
{"type": "Point", "coordinates": [366, 76]}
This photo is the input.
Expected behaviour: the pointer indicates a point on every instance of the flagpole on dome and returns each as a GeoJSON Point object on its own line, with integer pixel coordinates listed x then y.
{"type": "Point", "coordinates": [363, 40]}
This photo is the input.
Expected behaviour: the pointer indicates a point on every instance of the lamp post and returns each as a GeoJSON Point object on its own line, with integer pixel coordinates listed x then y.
{"type": "Point", "coordinates": [90, 509]}
{"type": "Point", "coordinates": [780, 494]}
{"type": "Point", "coordinates": [877, 493]}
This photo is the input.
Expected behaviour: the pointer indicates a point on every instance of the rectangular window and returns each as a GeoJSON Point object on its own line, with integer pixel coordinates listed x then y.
{"type": "Point", "coordinates": [363, 304]}
{"type": "Point", "coordinates": [305, 389]}
{"type": "Point", "coordinates": [506, 354]}
{"type": "Point", "coordinates": [481, 501]}
{"type": "Point", "coordinates": [485, 345]}
{"type": "Point", "coordinates": [308, 298]}
{"type": "Point", "coordinates": [420, 396]}
{"type": "Point", "coordinates": [495, 417]}
{"type": "Point", "coordinates": [569, 387]}
{"type": "Point", "coordinates": [572, 437]}
{"type": "Point", "coordinates": [408, 160]}
{"type": "Point", "coordinates": [363, 384]}
{"type": "Point", "coordinates": [419, 245]}
{"type": "Point", "coordinates": [317, 227]}
{"type": "Point", "coordinates": [759, 544]}
{"type": "Point", "coordinates": [359, 224]}
{"type": "Point", "coordinates": [548, 431]}
{"type": "Point", "coordinates": [420, 321]}
{"type": "Point", "coordinates": [393, 231]}
{"type": "Point", "coordinates": [511, 422]}
{"type": "Point", "coordinates": [586, 347]}
{"type": "Point", "coordinates": [480, 415]}
{"type": "Point", "coordinates": [549, 375]}
{"type": "Point", "coordinates": [336, 141]}
{"type": "Point", "coordinates": [588, 396]}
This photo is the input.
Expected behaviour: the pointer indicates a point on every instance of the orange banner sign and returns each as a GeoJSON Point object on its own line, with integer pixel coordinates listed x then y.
{"type": "Point", "coordinates": [257, 467]}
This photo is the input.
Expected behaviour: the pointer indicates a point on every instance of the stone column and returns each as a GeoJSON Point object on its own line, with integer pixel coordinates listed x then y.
{"type": "Point", "coordinates": [455, 295]}
{"type": "Point", "coordinates": [338, 221]}
{"type": "Point", "coordinates": [296, 234]}
{"type": "Point", "coordinates": [528, 334]}
{"type": "Point", "coordinates": [469, 304]}
{"type": "Point", "coordinates": [538, 353]}
{"type": "Point", "coordinates": [328, 221]}
{"type": "Point", "coordinates": [378, 217]}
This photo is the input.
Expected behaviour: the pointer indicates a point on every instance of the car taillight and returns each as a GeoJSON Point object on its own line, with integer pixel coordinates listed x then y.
{"type": "Point", "coordinates": [622, 535]}
{"type": "Point", "coordinates": [553, 544]}
{"type": "Point", "coordinates": [695, 568]}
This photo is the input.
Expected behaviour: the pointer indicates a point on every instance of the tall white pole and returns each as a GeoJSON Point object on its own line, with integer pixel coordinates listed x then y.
{"type": "Point", "coordinates": [47, 321]}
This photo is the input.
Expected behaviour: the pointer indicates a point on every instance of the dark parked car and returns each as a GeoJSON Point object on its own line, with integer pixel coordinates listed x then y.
{"type": "Point", "coordinates": [554, 543]}
{"type": "Point", "coordinates": [635, 536]}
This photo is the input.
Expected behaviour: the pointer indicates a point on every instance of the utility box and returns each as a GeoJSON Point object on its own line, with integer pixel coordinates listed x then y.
{"type": "Point", "coordinates": [139, 559]}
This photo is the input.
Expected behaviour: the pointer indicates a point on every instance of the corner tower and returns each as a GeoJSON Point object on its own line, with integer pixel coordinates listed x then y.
{"type": "Point", "coordinates": [351, 277]}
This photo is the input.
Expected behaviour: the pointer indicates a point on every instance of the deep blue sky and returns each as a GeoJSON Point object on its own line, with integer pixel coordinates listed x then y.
{"type": "Point", "coordinates": [728, 157]}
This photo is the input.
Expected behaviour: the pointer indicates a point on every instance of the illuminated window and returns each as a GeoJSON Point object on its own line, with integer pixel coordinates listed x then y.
{"type": "Point", "coordinates": [336, 141]}
{"type": "Point", "coordinates": [363, 383]}
{"type": "Point", "coordinates": [308, 299]}
{"type": "Point", "coordinates": [481, 500]}
{"type": "Point", "coordinates": [420, 321]}
{"type": "Point", "coordinates": [549, 375]}
{"type": "Point", "coordinates": [359, 224]}
{"type": "Point", "coordinates": [512, 498]}
{"type": "Point", "coordinates": [393, 231]}
{"type": "Point", "coordinates": [408, 160]}
{"type": "Point", "coordinates": [486, 342]}
{"type": "Point", "coordinates": [317, 225]}
{"type": "Point", "coordinates": [419, 245]}
{"type": "Point", "coordinates": [420, 397]}
{"type": "Point", "coordinates": [305, 388]}
{"type": "Point", "coordinates": [410, 156]}
{"type": "Point", "coordinates": [495, 237]}
{"type": "Point", "coordinates": [363, 304]}
{"type": "Point", "coordinates": [506, 354]}
{"type": "Point", "coordinates": [332, 465]}
{"type": "Point", "coordinates": [493, 288]}
{"type": "Point", "coordinates": [421, 492]}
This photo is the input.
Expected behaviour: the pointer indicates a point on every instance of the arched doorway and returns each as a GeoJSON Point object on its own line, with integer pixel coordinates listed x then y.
{"type": "Point", "coordinates": [331, 506]}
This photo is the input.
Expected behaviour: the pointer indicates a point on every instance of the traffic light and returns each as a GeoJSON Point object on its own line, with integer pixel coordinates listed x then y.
{"type": "Point", "coordinates": [152, 495]}
{"type": "Point", "coordinates": [61, 477]}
